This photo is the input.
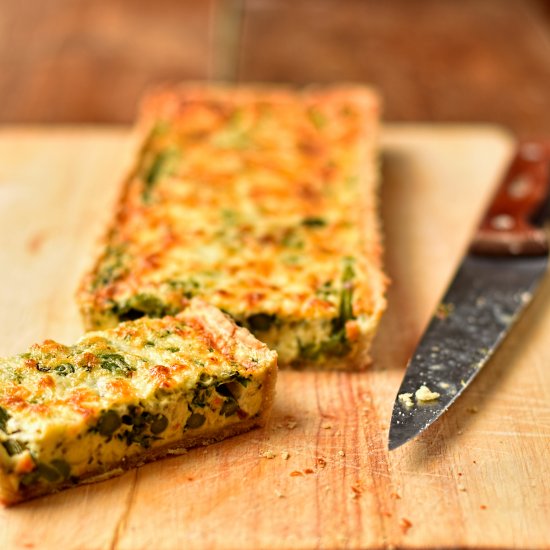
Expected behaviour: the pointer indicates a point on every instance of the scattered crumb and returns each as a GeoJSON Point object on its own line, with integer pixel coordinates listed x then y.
{"type": "Point", "coordinates": [405, 399]}
{"type": "Point", "coordinates": [405, 525]}
{"type": "Point", "coordinates": [483, 507]}
{"type": "Point", "coordinates": [356, 491]}
{"type": "Point", "coordinates": [386, 513]}
{"type": "Point", "coordinates": [472, 410]}
{"type": "Point", "coordinates": [341, 453]}
{"type": "Point", "coordinates": [285, 455]}
{"type": "Point", "coordinates": [460, 432]}
{"type": "Point", "coordinates": [296, 473]}
{"type": "Point", "coordinates": [396, 496]}
{"type": "Point", "coordinates": [267, 454]}
{"type": "Point", "coordinates": [278, 494]}
{"type": "Point", "coordinates": [461, 488]}
{"type": "Point", "coordinates": [425, 394]}
{"type": "Point", "coordinates": [309, 471]}
{"type": "Point", "coordinates": [320, 462]}
{"type": "Point", "coordinates": [326, 426]}
{"type": "Point", "coordinates": [291, 424]}
{"type": "Point", "coordinates": [444, 310]}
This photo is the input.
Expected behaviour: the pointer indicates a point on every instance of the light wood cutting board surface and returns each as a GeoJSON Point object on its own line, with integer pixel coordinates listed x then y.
{"type": "Point", "coordinates": [478, 478]}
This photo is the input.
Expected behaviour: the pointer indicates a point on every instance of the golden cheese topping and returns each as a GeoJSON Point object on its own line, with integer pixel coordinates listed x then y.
{"type": "Point", "coordinates": [254, 200]}
{"type": "Point", "coordinates": [68, 412]}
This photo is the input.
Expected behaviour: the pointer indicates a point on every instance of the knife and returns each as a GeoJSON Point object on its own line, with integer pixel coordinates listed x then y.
{"type": "Point", "coordinates": [492, 286]}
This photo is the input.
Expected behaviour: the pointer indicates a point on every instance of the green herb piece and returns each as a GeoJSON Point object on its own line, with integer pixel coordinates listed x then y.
{"type": "Point", "coordinates": [142, 304]}
{"type": "Point", "coordinates": [346, 296]}
{"type": "Point", "coordinates": [62, 467]}
{"type": "Point", "coordinates": [47, 472]}
{"type": "Point", "coordinates": [30, 478]}
{"type": "Point", "coordinates": [314, 222]}
{"type": "Point", "coordinates": [317, 118]}
{"type": "Point", "coordinates": [242, 380]}
{"type": "Point", "coordinates": [4, 417]}
{"type": "Point", "coordinates": [115, 363]}
{"type": "Point", "coordinates": [109, 422]}
{"type": "Point", "coordinates": [149, 344]}
{"type": "Point", "coordinates": [292, 240]}
{"type": "Point", "coordinates": [13, 446]}
{"type": "Point", "coordinates": [159, 424]}
{"type": "Point", "coordinates": [43, 368]}
{"type": "Point", "coordinates": [111, 267]}
{"type": "Point", "coordinates": [230, 406]}
{"type": "Point", "coordinates": [64, 368]}
{"type": "Point", "coordinates": [196, 420]}
{"type": "Point", "coordinates": [162, 165]}
{"type": "Point", "coordinates": [261, 321]}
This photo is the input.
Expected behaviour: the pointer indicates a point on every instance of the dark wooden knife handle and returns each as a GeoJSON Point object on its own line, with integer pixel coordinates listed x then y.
{"type": "Point", "coordinates": [515, 222]}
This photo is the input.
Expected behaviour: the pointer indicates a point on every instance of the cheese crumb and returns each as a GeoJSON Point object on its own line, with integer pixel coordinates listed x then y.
{"type": "Point", "coordinates": [267, 454]}
{"type": "Point", "coordinates": [425, 394]}
{"type": "Point", "coordinates": [285, 455]}
{"type": "Point", "coordinates": [405, 399]}
{"type": "Point", "coordinates": [341, 453]}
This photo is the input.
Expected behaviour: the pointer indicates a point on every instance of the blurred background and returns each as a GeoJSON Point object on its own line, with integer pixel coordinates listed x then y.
{"type": "Point", "coordinates": [87, 61]}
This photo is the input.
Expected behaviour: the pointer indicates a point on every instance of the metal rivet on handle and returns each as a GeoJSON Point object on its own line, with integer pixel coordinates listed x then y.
{"type": "Point", "coordinates": [519, 188]}
{"type": "Point", "coordinates": [503, 222]}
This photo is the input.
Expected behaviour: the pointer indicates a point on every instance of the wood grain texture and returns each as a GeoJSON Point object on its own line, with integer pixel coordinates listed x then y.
{"type": "Point", "coordinates": [478, 479]}
{"type": "Point", "coordinates": [433, 60]}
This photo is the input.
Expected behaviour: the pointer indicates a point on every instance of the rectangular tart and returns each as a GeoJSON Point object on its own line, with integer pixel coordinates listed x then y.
{"type": "Point", "coordinates": [125, 396]}
{"type": "Point", "coordinates": [262, 201]}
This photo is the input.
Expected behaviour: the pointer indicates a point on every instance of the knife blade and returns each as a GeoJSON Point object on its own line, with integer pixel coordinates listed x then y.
{"type": "Point", "coordinates": [496, 280]}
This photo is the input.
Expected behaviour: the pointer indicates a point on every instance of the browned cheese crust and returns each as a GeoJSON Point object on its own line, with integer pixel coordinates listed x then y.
{"type": "Point", "coordinates": [262, 201]}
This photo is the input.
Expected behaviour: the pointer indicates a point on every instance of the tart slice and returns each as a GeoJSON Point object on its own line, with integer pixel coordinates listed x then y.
{"type": "Point", "coordinates": [121, 397]}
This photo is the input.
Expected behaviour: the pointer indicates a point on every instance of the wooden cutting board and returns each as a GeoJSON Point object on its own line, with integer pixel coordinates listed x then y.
{"type": "Point", "coordinates": [478, 478]}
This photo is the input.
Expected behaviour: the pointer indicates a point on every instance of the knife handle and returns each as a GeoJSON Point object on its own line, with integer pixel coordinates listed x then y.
{"type": "Point", "coordinates": [514, 223]}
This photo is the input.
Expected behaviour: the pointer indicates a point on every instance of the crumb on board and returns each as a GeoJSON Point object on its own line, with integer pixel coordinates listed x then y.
{"type": "Point", "coordinates": [406, 399]}
{"type": "Point", "coordinates": [423, 393]}
{"type": "Point", "coordinates": [326, 426]}
{"type": "Point", "coordinates": [341, 453]}
{"type": "Point", "coordinates": [267, 454]}
{"type": "Point", "coordinates": [309, 471]}
{"type": "Point", "coordinates": [472, 410]}
{"type": "Point", "coordinates": [278, 494]}
{"type": "Point", "coordinates": [320, 462]}
{"type": "Point", "coordinates": [291, 424]}
{"type": "Point", "coordinates": [405, 525]}
{"type": "Point", "coordinates": [296, 473]}
{"type": "Point", "coordinates": [285, 455]}
{"type": "Point", "coordinates": [395, 495]}
{"type": "Point", "coordinates": [483, 507]}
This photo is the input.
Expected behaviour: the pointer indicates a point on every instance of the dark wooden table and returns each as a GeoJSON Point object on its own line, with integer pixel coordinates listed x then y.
{"type": "Point", "coordinates": [434, 60]}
